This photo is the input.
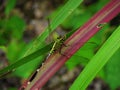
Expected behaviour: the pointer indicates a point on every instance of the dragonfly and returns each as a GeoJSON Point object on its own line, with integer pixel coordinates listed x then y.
{"type": "Point", "coordinates": [58, 42]}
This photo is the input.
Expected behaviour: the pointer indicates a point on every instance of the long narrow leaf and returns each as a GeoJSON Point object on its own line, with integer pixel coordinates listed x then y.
{"type": "Point", "coordinates": [26, 59]}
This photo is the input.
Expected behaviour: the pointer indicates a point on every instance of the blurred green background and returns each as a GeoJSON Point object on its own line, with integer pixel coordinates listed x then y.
{"type": "Point", "coordinates": [21, 21]}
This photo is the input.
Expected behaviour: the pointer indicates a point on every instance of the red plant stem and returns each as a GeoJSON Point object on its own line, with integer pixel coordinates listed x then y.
{"type": "Point", "coordinates": [55, 61]}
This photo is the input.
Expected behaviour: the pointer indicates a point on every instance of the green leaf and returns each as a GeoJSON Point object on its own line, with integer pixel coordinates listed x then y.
{"type": "Point", "coordinates": [112, 71]}
{"type": "Point", "coordinates": [9, 6]}
{"type": "Point", "coordinates": [26, 59]}
{"type": "Point", "coordinates": [80, 57]}
{"type": "Point", "coordinates": [16, 25]}
{"type": "Point", "coordinates": [76, 19]}
{"type": "Point", "coordinates": [98, 61]}
{"type": "Point", "coordinates": [13, 50]}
